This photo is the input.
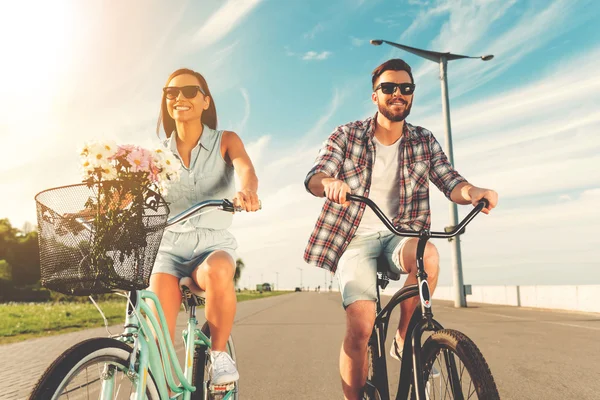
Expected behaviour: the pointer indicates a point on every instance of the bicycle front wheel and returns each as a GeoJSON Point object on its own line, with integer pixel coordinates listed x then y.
{"type": "Point", "coordinates": [93, 369]}
{"type": "Point", "coordinates": [454, 368]}
{"type": "Point", "coordinates": [370, 391]}
{"type": "Point", "coordinates": [201, 372]}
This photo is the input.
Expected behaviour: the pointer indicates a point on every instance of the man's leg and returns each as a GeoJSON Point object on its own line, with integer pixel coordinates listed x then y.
{"type": "Point", "coordinates": [360, 317]}
{"type": "Point", "coordinates": [408, 255]}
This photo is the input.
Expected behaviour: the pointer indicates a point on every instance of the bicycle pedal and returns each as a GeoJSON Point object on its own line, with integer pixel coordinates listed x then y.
{"type": "Point", "coordinates": [225, 387]}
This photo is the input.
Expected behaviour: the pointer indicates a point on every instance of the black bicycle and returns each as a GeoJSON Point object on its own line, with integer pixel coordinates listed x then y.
{"type": "Point", "coordinates": [461, 372]}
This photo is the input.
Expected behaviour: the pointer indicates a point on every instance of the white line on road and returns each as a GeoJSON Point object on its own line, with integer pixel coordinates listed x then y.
{"type": "Point", "coordinates": [543, 322]}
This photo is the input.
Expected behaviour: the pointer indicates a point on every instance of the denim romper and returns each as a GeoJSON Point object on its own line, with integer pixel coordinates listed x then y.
{"type": "Point", "coordinates": [186, 245]}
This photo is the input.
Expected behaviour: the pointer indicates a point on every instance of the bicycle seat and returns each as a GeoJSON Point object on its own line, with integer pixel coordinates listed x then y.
{"type": "Point", "coordinates": [192, 294]}
{"type": "Point", "coordinates": [384, 268]}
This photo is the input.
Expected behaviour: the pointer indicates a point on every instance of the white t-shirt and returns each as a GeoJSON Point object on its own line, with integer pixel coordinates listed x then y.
{"type": "Point", "coordinates": [385, 188]}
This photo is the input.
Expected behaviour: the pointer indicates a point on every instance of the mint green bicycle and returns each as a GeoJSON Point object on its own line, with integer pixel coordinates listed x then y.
{"type": "Point", "coordinates": [134, 364]}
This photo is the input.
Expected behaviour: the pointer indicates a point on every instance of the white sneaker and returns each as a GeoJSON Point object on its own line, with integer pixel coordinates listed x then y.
{"type": "Point", "coordinates": [223, 369]}
{"type": "Point", "coordinates": [396, 353]}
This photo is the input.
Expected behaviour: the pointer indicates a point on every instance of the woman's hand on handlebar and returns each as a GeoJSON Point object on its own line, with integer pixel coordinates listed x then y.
{"type": "Point", "coordinates": [247, 200]}
{"type": "Point", "coordinates": [477, 194]}
{"type": "Point", "coordinates": [336, 190]}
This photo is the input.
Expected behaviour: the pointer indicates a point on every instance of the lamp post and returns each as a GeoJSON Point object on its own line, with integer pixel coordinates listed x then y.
{"type": "Point", "coordinates": [442, 59]}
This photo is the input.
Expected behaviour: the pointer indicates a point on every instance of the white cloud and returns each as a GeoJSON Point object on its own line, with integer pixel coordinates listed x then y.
{"type": "Point", "coordinates": [356, 42]}
{"type": "Point", "coordinates": [536, 145]}
{"type": "Point", "coordinates": [222, 55]}
{"type": "Point", "coordinates": [309, 55]}
{"type": "Point", "coordinates": [318, 129]}
{"type": "Point", "coordinates": [223, 21]}
{"type": "Point", "coordinates": [314, 31]}
{"type": "Point", "coordinates": [242, 124]}
{"type": "Point", "coordinates": [466, 31]}
{"type": "Point", "coordinates": [313, 55]}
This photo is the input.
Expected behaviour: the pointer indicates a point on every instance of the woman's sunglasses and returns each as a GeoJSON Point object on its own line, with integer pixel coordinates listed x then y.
{"type": "Point", "coordinates": [390, 88]}
{"type": "Point", "coordinates": [189, 92]}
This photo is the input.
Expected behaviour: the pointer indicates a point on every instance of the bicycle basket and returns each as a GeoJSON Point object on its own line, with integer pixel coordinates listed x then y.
{"type": "Point", "coordinates": [87, 247]}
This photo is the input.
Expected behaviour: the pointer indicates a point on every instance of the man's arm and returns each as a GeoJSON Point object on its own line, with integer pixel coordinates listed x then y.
{"type": "Point", "coordinates": [454, 186]}
{"type": "Point", "coordinates": [321, 180]}
{"type": "Point", "coordinates": [322, 185]}
{"type": "Point", "coordinates": [465, 193]}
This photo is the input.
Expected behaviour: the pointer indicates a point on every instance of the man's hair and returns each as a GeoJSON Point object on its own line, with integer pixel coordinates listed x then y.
{"type": "Point", "coordinates": [395, 64]}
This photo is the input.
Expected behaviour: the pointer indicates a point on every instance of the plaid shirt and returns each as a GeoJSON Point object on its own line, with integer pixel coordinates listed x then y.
{"type": "Point", "coordinates": [348, 155]}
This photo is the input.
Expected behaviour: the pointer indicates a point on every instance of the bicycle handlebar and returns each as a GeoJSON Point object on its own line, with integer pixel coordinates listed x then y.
{"type": "Point", "coordinates": [438, 235]}
{"type": "Point", "coordinates": [225, 205]}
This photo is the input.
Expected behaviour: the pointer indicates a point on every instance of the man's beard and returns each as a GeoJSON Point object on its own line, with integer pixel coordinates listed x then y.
{"type": "Point", "coordinates": [395, 116]}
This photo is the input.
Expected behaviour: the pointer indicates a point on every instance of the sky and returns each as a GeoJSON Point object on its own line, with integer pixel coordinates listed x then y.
{"type": "Point", "coordinates": [285, 73]}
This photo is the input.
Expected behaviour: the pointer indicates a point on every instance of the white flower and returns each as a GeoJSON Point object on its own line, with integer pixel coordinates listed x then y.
{"type": "Point", "coordinates": [98, 153]}
{"type": "Point", "coordinates": [109, 172]}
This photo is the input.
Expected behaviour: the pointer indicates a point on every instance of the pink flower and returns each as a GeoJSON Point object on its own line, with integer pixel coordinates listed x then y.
{"type": "Point", "coordinates": [139, 160]}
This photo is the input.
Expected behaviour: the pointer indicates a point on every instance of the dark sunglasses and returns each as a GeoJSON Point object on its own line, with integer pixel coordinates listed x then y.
{"type": "Point", "coordinates": [189, 92]}
{"type": "Point", "coordinates": [390, 88]}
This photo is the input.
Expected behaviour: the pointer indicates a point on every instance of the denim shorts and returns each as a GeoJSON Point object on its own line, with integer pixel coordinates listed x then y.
{"type": "Point", "coordinates": [180, 253]}
{"type": "Point", "coordinates": [357, 268]}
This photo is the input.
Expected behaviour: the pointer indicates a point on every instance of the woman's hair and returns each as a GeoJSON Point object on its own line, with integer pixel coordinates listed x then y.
{"type": "Point", "coordinates": [209, 116]}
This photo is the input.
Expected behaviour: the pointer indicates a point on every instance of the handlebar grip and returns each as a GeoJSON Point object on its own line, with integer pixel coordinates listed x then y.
{"type": "Point", "coordinates": [485, 203]}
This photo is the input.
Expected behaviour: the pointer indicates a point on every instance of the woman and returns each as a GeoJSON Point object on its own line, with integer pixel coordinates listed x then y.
{"type": "Point", "coordinates": [201, 247]}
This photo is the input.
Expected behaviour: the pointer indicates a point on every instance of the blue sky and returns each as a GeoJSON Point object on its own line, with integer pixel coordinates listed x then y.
{"type": "Point", "coordinates": [285, 73]}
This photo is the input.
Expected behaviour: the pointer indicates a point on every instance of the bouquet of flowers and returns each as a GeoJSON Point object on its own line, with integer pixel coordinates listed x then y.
{"type": "Point", "coordinates": [127, 183]}
{"type": "Point", "coordinates": [104, 161]}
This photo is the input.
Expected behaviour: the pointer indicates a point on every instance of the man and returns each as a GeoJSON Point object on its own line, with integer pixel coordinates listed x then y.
{"type": "Point", "coordinates": [391, 162]}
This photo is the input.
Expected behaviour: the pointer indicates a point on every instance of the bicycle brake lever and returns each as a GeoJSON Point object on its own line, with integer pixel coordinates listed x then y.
{"type": "Point", "coordinates": [228, 206]}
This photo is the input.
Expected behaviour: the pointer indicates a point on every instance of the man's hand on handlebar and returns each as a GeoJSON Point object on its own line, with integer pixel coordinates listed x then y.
{"type": "Point", "coordinates": [477, 194]}
{"type": "Point", "coordinates": [336, 190]}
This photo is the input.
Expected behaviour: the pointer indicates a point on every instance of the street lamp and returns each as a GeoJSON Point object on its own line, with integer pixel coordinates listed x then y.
{"type": "Point", "coordinates": [442, 59]}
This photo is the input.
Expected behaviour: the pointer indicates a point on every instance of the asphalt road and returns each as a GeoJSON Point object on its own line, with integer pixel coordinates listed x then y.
{"type": "Point", "coordinates": [288, 348]}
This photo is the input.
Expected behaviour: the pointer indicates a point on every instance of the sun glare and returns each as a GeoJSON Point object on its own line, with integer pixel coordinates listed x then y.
{"type": "Point", "coordinates": [35, 39]}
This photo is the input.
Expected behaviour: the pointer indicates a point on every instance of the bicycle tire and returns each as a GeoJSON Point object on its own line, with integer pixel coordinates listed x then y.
{"type": "Point", "coordinates": [458, 344]}
{"type": "Point", "coordinates": [370, 391]}
{"type": "Point", "coordinates": [201, 366]}
{"type": "Point", "coordinates": [76, 359]}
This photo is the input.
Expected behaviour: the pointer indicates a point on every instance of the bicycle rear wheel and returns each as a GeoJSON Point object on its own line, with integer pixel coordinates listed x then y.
{"type": "Point", "coordinates": [463, 372]}
{"type": "Point", "coordinates": [89, 370]}
{"type": "Point", "coordinates": [201, 372]}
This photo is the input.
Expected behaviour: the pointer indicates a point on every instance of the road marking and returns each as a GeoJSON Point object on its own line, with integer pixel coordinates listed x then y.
{"type": "Point", "coordinates": [543, 322]}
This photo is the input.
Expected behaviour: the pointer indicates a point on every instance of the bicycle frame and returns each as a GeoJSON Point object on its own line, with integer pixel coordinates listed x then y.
{"type": "Point", "coordinates": [420, 321]}
{"type": "Point", "coordinates": [158, 359]}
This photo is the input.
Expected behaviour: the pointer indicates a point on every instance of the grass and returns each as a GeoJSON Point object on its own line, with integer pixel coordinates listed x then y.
{"type": "Point", "coordinates": [22, 321]}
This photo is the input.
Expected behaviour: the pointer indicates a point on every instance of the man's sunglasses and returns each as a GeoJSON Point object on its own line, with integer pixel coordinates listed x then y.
{"type": "Point", "coordinates": [390, 88]}
{"type": "Point", "coordinates": [189, 92]}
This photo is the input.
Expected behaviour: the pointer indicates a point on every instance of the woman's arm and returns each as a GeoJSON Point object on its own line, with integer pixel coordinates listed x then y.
{"type": "Point", "coordinates": [236, 154]}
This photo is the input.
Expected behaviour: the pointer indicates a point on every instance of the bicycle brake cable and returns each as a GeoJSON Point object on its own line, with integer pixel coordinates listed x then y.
{"type": "Point", "coordinates": [103, 316]}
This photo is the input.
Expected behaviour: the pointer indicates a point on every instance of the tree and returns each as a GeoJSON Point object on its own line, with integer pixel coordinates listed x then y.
{"type": "Point", "coordinates": [8, 236]}
{"type": "Point", "coordinates": [239, 265]}
{"type": "Point", "coordinates": [24, 258]}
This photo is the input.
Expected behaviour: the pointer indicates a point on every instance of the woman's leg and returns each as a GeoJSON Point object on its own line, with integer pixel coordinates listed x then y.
{"type": "Point", "coordinates": [215, 276]}
{"type": "Point", "coordinates": [166, 287]}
